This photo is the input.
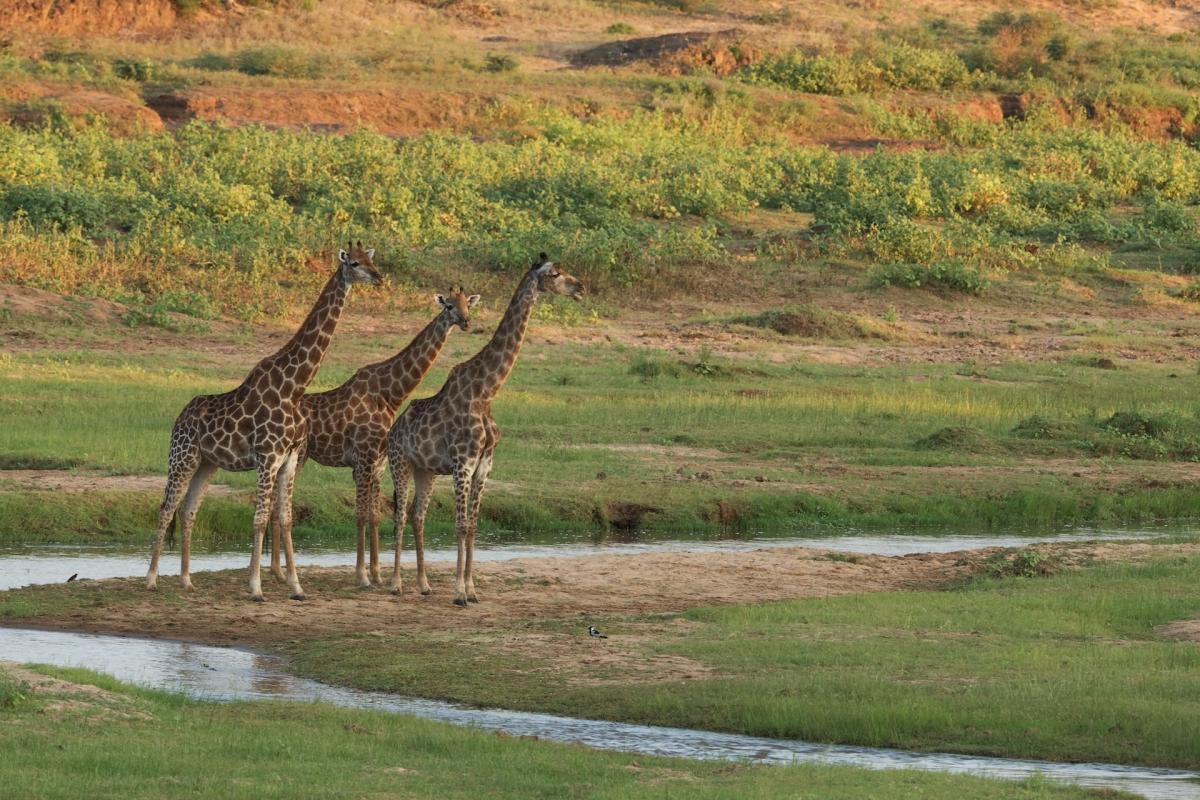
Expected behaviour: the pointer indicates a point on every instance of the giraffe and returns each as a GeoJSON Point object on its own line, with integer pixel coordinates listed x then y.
{"type": "Point", "coordinates": [257, 426]}
{"type": "Point", "coordinates": [453, 433]}
{"type": "Point", "coordinates": [348, 426]}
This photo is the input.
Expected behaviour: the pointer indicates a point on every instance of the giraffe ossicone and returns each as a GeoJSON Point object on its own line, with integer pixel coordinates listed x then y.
{"type": "Point", "coordinates": [453, 433]}
{"type": "Point", "coordinates": [257, 426]}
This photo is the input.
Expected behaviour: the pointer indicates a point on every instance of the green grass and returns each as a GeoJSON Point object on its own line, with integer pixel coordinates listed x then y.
{"type": "Point", "coordinates": [139, 744]}
{"type": "Point", "coordinates": [655, 424]}
{"type": "Point", "coordinates": [1065, 668]}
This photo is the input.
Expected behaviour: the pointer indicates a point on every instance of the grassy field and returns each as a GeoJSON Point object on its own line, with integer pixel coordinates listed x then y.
{"type": "Point", "coordinates": [1068, 668]}
{"type": "Point", "coordinates": [64, 737]}
{"type": "Point", "coordinates": [716, 443]}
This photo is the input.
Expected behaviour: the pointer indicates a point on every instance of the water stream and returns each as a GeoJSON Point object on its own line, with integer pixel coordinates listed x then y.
{"type": "Point", "coordinates": [21, 566]}
{"type": "Point", "coordinates": [219, 673]}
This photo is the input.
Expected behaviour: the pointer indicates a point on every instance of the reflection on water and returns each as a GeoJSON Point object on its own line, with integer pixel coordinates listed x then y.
{"type": "Point", "coordinates": [33, 565]}
{"type": "Point", "coordinates": [218, 673]}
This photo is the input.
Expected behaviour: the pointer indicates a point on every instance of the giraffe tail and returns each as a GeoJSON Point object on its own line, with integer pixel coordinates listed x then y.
{"type": "Point", "coordinates": [171, 530]}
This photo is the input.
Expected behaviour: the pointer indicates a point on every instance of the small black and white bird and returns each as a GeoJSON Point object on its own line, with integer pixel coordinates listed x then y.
{"type": "Point", "coordinates": [73, 577]}
{"type": "Point", "coordinates": [595, 634]}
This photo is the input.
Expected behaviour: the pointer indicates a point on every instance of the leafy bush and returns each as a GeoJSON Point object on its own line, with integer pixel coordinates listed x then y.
{"type": "Point", "coordinates": [619, 27]}
{"type": "Point", "coordinates": [1021, 564]}
{"type": "Point", "coordinates": [500, 63]}
{"type": "Point", "coordinates": [898, 65]}
{"type": "Point", "coordinates": [956, 439]}
{"type": "Point", "coordinates": [948, 275]}
{"type": "Point", "coordinates": [282, 62]}
{"type": "Point", "coordinates": [13, 693]}
{"type": "Point", "coordinates": [814, 322]}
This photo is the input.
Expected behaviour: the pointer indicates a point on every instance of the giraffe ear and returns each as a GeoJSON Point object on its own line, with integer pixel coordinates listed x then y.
{"type": "Point", "coordinates": [441, 301]}
{"type": "Point", "coordinates": [472, 301]}
{"type": "Point", "coordinates": [343, 257]}
{"type": "Point", "coordinates": [371, 253]}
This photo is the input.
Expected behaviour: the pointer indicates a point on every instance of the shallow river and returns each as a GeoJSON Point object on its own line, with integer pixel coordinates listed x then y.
{"type": "Point", "coordinates": [219, 673]}
{"type": "Point", "coordinates": [21, 566]}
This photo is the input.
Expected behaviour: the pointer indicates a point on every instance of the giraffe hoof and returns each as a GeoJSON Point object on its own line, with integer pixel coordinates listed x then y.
{"type": "Point", "coordinates": [458, 601]}
{"type": "Point", "coordinates": [396, 591]}
{"type": "Point", "coordinates": [258, 598]}
{"type": "Point", "coordinates": [299, 597]}
{"type": "Point", "coordinates": [473, 599]}
{"type": "Point", "coordinates": [426, 592]}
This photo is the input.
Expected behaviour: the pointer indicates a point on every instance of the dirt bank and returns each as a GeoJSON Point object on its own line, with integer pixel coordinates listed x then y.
{"type": "Point", "coordinates": [593, 587]}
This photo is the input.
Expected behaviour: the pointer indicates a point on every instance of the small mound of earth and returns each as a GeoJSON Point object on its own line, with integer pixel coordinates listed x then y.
{"type": "Point", "coordinates": [648, 48]}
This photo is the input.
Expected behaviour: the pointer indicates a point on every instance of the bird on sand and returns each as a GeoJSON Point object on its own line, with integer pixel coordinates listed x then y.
{"type": "Point", "coordinates": [595, 634]}
{"type": "Point", "coordinates": [73, 577]}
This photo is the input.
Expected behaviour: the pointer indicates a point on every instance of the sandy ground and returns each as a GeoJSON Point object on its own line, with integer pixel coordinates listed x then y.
{"type": "Point", "coordinates": [592, 588]}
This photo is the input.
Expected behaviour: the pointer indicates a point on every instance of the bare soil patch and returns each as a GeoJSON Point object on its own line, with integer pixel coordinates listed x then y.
{"type": "Point", "coordinates": [62, 481]}
{"type": "Point", "coordinates": [1187, 630]}
{"type": "Point", "coordinates": [392, 112]}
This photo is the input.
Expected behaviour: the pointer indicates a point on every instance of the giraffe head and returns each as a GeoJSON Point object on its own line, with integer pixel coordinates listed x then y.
{"type": "Point", "coordinates": [457, 307]}
{"type": "Point", "coordinates": [357, 264]}
{"type": "Point", "coordinates": [553, 280]}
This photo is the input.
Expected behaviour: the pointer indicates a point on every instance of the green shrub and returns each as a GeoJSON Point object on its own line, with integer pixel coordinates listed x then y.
{"type": "Point", "coordinates": [13, 693]}
{"type": "Point", "coordinates": [947, 275]}
{"type": "Point", "coordinates": [135, 69]}
{"type": "Point", "coordinates": [282, 62]}
{"type": "Point", "coordinates": [500, 63]}
{"type": "Point", "coordinates": [619, 27]}
{"type": "Point", "coordinates": [963, 439]}
{"type": "Point", "coordinates": [1021, 564]}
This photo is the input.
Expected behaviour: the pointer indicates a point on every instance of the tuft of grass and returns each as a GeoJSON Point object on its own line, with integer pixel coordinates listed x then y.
{"type": "Point", "coordinates": [813, 322]}
{"type": "Point", "coordinates": [960, 439]}
{"type": "Point", "coordinates": [13, 693]}
{"type": "Point", "coordinates": [1021, 564]}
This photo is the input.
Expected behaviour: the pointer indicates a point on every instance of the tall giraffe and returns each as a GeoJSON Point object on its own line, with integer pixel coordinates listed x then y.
{"type": "Point", "coordinates": [453, 433]}
{"type": "Point", "coordinates": [348, 426]}
{"type": "Point", "coordinates": [257, 426]}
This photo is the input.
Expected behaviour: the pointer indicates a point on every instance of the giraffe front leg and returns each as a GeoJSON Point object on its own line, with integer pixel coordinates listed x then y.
{"type": "Point", "coordinates": [373, 521]}
{"type": "Point", "coordinates": [276, 538]}
{"type": "Point", "coordinates": [478, 483]}
{"type": "Point", "coordinates": [361, 518]}
{"type": "Point", "coordinates": [462, 488]}
{"type": "Point", "coordinates": [400, 475]}
{"type": "Point", "coordinates": [423, 483]}
{"type": "Point", "coordinates": [285, 483]}
{"type": "Point", "coordinates": [187, 518]}
{"type": "Point", "coordinates": [268, 468]}
{"type": "Point", "coordinates": [182, 466]}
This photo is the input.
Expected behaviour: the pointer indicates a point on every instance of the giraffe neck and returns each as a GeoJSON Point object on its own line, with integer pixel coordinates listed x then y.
{"type": "Point", "coordinates": [297, 361]}
{"type": "Point", "coordinates": [493, 364]}
{"type": "Point", "coordinates": [403, 372]}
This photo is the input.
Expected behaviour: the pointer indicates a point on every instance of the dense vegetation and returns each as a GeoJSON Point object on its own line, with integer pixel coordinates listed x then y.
{"type": "Point", "coordinates": [226, 213]}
